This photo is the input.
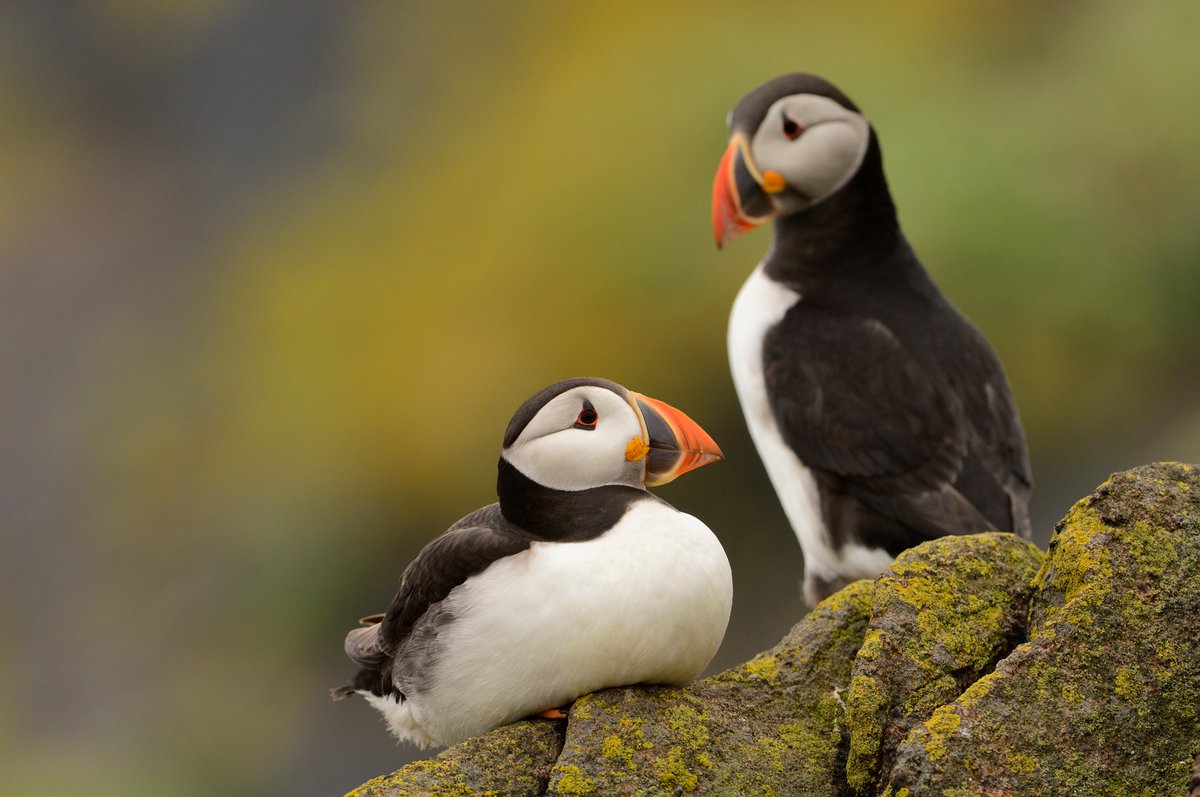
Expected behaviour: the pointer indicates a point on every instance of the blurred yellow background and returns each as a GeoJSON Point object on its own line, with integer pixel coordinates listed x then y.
{"type": "Point", "coordinates": [274, 275]}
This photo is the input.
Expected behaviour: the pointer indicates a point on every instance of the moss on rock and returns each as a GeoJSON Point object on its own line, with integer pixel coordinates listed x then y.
{"type": "Point", "coordinates": [1102, 698]}
{"type": "Point", "coordinates": [513, 761]}
{"type": "Point", "coordinates": [941, 616]}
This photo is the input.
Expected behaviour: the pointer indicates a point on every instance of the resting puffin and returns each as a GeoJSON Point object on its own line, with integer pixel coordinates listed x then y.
{"type": "Point", "coordinates": [882, 415]}
{"type": "Point", "coordinates": [576, 580]}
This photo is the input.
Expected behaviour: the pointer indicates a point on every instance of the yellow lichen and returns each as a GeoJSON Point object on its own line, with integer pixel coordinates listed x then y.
{"type": "Point", "coordinates": [1070, 693]}
{"type": "Point", "coordinates": [866, 715]}
{"type": "Point", "coordinates": [1080, 570]}
{"type": "Point", "coordinates": [1154, 551]}
{"type": "Point", "coordinates": [872, 645]}
{"type": "Point", "coordinates": [1166, 658]}
{"type": "Point", "coordinates": [688, 723]}
{"type": "Point", "coordinates": [762, 666]}
{"type": "Point", "coordinates": [816, 745]}
{"type": "Point", "coordinates": [673, 771]}
{"type": "Point", "coordinates": [614, 747]}
{"type": "Point", "coordinates": [571, 780]}
{"type": "Point", "coordinates": [581, 709]}
{"type": "Point", "coordinates": [941, 725]}
{"type": "Point", "coordinates": [848, 597]}
{"type": "Point", "coordinates": [980, 689]}
{"type": "Point", "coordinates": [632, 727]}
{"type": "Point", "coordinates": [1022, 763]}
{"type": "Point", "coordinates": [1125, 684]}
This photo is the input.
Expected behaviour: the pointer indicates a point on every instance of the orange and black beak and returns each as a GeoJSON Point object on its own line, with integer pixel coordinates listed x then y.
{"type": "Point", "coordinates": [741, 194]}
{"type": "Point", "coordinates": [677, 444]}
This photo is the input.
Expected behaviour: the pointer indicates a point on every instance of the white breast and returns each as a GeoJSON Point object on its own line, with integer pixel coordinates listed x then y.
{"type": "Point", "coordinates": [646, 602]}
{"type": "Point", "coordinates": [760, 305]}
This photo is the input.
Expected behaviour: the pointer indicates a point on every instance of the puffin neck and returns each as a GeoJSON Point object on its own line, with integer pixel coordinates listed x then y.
{"type": "Point", "coordinates": [561, 515]}
{"type": "Point", "coordinates": [855, 228]}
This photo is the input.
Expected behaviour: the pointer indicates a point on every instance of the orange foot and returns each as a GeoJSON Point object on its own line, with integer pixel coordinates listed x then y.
{"type": "Point", "coordinates": [554, 713]}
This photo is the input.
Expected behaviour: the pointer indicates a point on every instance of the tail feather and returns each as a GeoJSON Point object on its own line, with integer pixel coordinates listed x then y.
{"type": "Point", "coordinates": [342, 692]}
{"type": "Point", "coordinates": [365, 649]}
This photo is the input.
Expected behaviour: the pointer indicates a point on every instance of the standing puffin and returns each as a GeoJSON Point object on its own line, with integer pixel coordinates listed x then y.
{"type": "Point", "coordinates": [882, 415]}
{"type": "Point", "coordinates": [576, 580]}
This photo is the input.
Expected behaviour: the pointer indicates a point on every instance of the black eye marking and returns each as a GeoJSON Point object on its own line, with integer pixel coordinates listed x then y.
{"type": "Point", "coordinates": [791, 128]}
{"type": "Point", "coordinates": [587, 416]}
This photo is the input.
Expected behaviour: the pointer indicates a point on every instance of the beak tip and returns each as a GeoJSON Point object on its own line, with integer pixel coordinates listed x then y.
{"type": "Point", "coordinates": [723, 231]}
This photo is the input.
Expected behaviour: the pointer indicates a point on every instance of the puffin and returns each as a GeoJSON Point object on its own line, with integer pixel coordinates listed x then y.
{"type": "Point", "coordinates": [576, 579]}
{"type": "Point", "coordinates": [881, 414]}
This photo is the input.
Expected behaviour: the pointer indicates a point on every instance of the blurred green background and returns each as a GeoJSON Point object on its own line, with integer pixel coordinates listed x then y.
{"type": "Point", "coordinates": [274, 274]}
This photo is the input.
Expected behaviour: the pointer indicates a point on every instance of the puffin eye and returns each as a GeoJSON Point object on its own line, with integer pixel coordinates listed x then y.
{"type": "Point", "coordinates": [791, 128]}
{"type": "Point", "coordinates": [587, 416]}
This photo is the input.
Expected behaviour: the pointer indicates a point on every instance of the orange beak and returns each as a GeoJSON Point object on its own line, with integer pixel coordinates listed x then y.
{"type": "Point", "coordinates": [740, 202]}
{"type": "Point", "coordinates": [677, 443]}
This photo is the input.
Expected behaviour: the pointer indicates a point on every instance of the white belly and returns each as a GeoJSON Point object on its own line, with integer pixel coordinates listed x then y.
{"type": "Point", "coordinates": [760, 305]}
{"type": "Point", "coordinates": [647, 602]}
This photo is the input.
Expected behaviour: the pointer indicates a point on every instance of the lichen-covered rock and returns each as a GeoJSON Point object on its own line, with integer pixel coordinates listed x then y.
{"type": "Point", "coordinates": [1104, 698]}
{"type": "Point", "coordinates": [942, 615]}
{"type": "Point", "coordinates": [513, 761]}
{"type": "Point", "coordinates": [769, 727]}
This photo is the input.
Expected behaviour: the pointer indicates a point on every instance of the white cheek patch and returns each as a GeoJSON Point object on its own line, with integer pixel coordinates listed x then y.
{"type": "Point", "coordinates": [828, 156]}
{"type": "Point", "coordinates": [824, 157]}
{"type": "Point", "coordinates": [572, 459]}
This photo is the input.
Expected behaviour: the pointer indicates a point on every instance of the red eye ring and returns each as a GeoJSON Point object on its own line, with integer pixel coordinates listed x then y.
{"type": "Point", "coordinates": [587, 417]}
{"type": "Point", "coordinates": [791, 128]}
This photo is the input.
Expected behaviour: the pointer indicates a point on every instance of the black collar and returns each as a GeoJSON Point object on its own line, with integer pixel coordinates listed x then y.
{"type": "Point", "coordinates": [562, 515]}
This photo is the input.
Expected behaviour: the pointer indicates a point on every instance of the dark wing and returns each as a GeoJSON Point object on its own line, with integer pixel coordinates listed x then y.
{"type": "Point", "coordinates": [467, 548]}
{"type": "Point", "coordinates": [862, 410]}
{"type": "Point", "coordinates": [999, 459]}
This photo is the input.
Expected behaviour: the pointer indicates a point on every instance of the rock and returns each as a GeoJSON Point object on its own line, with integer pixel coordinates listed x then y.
{"type": "Point", "coordinates": [1104, 697]}
{"type": "Point", "coordinates": [973, 666]}
{"type": "Point", "coordinates": [513, 761]}
{"type": "Point", "coordinates": [941, 616]}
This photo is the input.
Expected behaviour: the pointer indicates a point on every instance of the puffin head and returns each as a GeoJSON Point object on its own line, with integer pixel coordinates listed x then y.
{"type": "Point", "coordinates": [793, 142]}
{"type": "Point", "coordinates": [583, 433]}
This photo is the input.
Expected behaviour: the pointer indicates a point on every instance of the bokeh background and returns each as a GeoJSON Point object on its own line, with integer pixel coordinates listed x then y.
{"type": "Point", "coordinates": [274, 274]}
